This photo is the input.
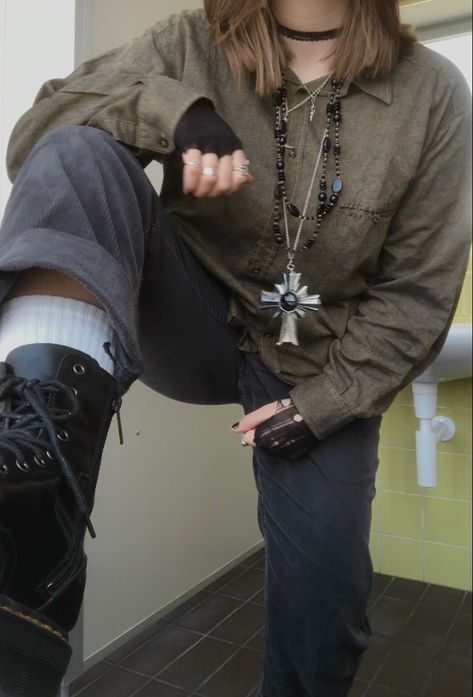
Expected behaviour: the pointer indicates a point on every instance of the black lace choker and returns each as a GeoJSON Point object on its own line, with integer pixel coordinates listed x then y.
{"type": "Point", "coordinates": [308, 35]}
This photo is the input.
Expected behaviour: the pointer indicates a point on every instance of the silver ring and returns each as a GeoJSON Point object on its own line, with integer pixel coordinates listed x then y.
{"type": "Point", "coordinates": [244, 169]}
{"type": "Point", "coordinates": [210, 171]}
{"type": "Point", "coordinates": [194, 163]}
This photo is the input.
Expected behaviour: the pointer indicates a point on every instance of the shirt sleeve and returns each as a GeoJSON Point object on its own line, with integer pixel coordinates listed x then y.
{"type": "Point", "coordinates": [403, 318]}
{"type": "Point", "coordinates": [134, 92]}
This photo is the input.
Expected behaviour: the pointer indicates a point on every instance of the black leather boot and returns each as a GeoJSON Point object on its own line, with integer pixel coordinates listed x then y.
{"type": "Point", "coordinates": [56, 405]}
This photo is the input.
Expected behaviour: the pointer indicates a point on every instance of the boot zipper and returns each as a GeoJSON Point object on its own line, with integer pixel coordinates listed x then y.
{"type": "Point", "coordinates": [68, 569]}
{"type": "Point", "coordinates": [117, 404]}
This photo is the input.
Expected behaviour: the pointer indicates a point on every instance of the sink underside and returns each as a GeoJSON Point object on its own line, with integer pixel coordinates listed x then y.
{"type": "Point", "coordinates": [455, 359]}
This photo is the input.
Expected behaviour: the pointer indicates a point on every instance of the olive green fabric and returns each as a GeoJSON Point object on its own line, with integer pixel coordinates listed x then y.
{"type": "Point", "coordinates": [389, 261]}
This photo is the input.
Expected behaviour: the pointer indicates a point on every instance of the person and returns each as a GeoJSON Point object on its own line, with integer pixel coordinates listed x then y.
{"type": "Point", "coordinates": [304, 259]}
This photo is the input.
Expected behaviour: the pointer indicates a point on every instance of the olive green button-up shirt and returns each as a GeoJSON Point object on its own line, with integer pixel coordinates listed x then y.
{"type": "Point", "coordinates": [388, 263]}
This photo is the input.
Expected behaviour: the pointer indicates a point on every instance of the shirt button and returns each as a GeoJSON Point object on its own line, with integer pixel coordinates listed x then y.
{"type": "Point", "coordinates": [256, 270]}
{"type": "Point", "coordinates": [163, 141]}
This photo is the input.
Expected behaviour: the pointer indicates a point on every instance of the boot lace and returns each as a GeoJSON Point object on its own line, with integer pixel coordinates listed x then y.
{"type": "Point", "coordinates": [31, 420]}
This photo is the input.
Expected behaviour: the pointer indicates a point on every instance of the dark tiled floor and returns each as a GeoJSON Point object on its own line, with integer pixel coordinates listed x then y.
{"type": "Point", "coordinates": [211, 646]}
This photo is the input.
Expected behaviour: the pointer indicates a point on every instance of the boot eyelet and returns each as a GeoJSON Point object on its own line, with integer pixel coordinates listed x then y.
{"type": "Point", "coordinates": [79, 369]}
{"type": "Point", "coordinates": [39, 461]}
{"type": "Point", "coordinates": [64, 436]}
{"type": "Point", "coordinates": [3, 470]}
{"type": "Point", "coordinates": [75, 391]}
{"type": "Point", "coordinates": [23, 466]}
{"type": "Point", "coordinates": [48, 455]}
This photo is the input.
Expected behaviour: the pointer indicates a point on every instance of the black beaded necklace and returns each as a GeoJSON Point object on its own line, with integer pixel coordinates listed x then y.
{"type": "Point", "coordinates": [325, 204]}
{"type": "Point", "coordinates": [291, 300]}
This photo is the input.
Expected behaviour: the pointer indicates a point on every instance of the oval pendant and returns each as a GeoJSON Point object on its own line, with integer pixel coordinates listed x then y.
{"type": "Point", "coordinates": [293, 210]}
{"type": "Point", "coordinates": [289, 302]}
{"type": "Point", "coordinates": [337, 185]}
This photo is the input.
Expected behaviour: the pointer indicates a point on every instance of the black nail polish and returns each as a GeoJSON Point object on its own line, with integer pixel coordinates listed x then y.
{"type": "Point", "coordinates": [235, 425]}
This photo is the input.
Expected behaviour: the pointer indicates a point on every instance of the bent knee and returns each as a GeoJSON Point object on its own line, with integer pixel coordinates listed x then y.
{"type": "Point", "coordinates": [73, 138]}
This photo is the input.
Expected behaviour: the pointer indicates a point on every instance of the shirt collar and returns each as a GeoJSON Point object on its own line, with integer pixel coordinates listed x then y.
{"type": "Point", "coordinates": [381, 88]}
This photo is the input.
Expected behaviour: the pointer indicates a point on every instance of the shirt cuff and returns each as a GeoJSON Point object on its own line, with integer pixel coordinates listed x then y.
{"type": "Point", "coordinates": [322, 408]}
{"type": "Point", "coordinates": [154, 128]}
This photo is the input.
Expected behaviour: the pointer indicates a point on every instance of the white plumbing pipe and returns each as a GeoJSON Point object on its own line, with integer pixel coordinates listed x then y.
{"type": "Point", "coordinates": [426, 444]}
{"type": "Point", "coordinates": [425, 399]}
{"type": "Point", "coordinates": [441, 428]}
{"type": "Point", "coordinates": [432, 430]}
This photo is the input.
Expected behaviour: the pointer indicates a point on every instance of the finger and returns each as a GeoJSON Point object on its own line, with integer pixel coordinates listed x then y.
{"type": "Point", "coordinates": [224, 184]}
{"type": "Point", "coordinates": [192, 160]}
{"type": "Point", "coordinates": [210, 162]}
{"type": "Point", "coordinates": [250, 421]}
{"type": "Point", "coordinates": [249, 438]}
{"type": "Point", "coordinates": [240, 180]}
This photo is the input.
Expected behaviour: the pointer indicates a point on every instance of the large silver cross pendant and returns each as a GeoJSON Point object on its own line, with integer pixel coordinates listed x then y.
{"type": "Point", "coordinates": [291, 301]}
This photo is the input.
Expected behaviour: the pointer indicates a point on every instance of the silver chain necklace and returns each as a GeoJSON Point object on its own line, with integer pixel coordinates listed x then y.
{"type": "Point", "coordinates": [291, 300]}
{"type": "Point", "coordinates": [293, 251]}
{"type": "Point", "coordinates": [290, 291]}
{"type": "Point", "coordinates": [312, 98]}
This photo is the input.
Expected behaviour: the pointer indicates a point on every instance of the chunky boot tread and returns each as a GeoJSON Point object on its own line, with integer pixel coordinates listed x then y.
{"type": "Point", "coordinates": [34, 655]}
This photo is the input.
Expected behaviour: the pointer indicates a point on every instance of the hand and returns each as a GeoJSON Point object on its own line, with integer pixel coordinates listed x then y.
{"type": "Point", "coordinates": [279, 429]}
{"type": "Point", "coordinates": [248, 424]}
{"type": "Point", "coordinates": [226, 180]}
{"type": "Point", "coordinates": [207, 141]}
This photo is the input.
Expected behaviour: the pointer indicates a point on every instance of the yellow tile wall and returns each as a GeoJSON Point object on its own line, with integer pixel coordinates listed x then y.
{"type": "Point", "coordinates": [421, 533]}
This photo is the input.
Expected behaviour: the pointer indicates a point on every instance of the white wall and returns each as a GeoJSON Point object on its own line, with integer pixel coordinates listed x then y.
{"type": "Point", "coordinates": [36, 43]}
{"type": "Point", "coordinates": [178, 501]}
{"type": "Point", "coordinates": [429, 12]}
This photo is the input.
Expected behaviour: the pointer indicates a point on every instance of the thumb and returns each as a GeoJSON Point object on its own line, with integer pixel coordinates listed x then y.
{"type": "Point", "coordinates": [252, 420]}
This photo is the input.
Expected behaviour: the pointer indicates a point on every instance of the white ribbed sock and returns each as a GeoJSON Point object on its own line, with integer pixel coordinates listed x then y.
{"type": "Point", "coordinates": [45, 319]}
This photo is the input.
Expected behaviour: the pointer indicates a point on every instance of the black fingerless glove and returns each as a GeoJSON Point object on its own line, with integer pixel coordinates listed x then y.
{"type": "Point", "coordinates": [202, 128]}
{"type": "Point", "coordinates": [285, 434]}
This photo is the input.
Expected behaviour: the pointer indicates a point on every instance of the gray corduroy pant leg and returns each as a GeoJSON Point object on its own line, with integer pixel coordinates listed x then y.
{"type": "Point", "coordinates": [82, 205]}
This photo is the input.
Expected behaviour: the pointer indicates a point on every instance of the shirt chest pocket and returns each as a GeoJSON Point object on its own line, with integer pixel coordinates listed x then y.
{"type": "Point", "coordinates": [360, 232]}
{"type": "Point", "coordinates": [348, 248]}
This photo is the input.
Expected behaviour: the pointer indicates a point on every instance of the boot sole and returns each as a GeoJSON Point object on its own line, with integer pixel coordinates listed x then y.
{"type": "Point", "coordinates": [34, 652]}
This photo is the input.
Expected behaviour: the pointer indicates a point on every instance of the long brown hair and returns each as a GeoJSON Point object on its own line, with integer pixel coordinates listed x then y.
{"type": "Point", "coordinates": [372, 39]}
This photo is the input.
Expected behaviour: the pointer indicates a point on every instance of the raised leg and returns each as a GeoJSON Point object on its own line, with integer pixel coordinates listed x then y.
{"type": "Point", "coordinates": [84, 223]}
{"type": "Point", "coordinates": [74, 232]}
